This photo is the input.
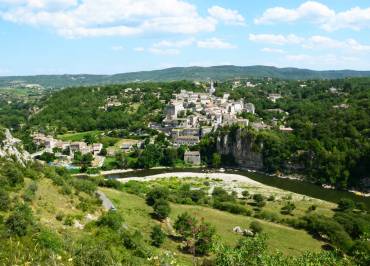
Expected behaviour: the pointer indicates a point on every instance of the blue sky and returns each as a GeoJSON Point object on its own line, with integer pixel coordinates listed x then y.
{"type": "Point", "coordinates": [115, 36]}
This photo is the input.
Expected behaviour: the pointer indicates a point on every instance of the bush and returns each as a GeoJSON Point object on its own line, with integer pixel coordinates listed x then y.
{"type": "Point", "coordinates": [155, 194]}
{"type": "Point", "coordinates": [84, 185]}
{"type": "Point", "coordinates": [256, 227]}
{"type": "Point", "coordinates": [184, 224]}
{"type": "Point", "coordinates": [245, 194]}
{"type": "Point", "coordinates": [19, 221]}
{"type": "Point", "coordinates": [49, 240]}
{"type": "Point", "coordinates": [267, 215]}
{"type": "Point", "coordinates": [111, 219]}
{"type": "Point", "coordinates": [69, 220]}
{"type": "Point", "coordinates": [220, 194]}
{"type": "Point", "coordinates": [271, 198]}
{"type": "Point", "coordinates": [288, 208]}
{"type": "Point", "coordinates": [259, 200]}
{"type": "Point", "coordinates": [157, 236]}
{"type": "Point", "coordinates": [204, 239]}
{"type": "Point", "coordinates": [324, 226]}
{"type": "Point", "coordinates": [161, 209]}
{"type": "Point", "coordinates": [361, 206]}
{"type": "Point", "coordinates": [4, 200]}
{"type": "Point", "coordinates": [346, 205]}
{"type": "Point", "coordinates": [59, 216]}
{"type": "Point", "coordinates": [312, 208]}
{"type": "Point", "coordinates": [232, 208]}
{"type": "Point", "coordinates": [30, 192]}
{"type": "Point", "coordinates": [136, 243]}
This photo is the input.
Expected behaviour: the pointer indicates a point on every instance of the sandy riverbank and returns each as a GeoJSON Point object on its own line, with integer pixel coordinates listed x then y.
{"type": "Point", "coordinates": [223, 176]}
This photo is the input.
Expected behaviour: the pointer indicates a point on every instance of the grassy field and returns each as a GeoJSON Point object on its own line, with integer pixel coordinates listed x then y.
{"type": "Point", "coordinates": [137, 214]}
{"type": "Point", "coordinates": [49, 201]}
{"type": "Point", "coordinates": [78, 136]}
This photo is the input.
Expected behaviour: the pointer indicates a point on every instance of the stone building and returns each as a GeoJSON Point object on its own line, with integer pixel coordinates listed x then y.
{"type": "Point", "coordinates": [192, 157]}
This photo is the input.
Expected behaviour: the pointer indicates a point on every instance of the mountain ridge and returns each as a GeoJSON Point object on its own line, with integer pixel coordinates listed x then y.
{"type": "Point", "coordinates": [221, 72]}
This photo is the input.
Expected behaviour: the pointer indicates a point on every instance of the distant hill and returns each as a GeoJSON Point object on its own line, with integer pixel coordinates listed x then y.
{"type": "Point", "coordinates": [182, 73]}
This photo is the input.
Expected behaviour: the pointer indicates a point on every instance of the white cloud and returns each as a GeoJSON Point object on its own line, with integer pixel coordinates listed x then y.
{"type": "Point", "coordinates": [272, 50]}
{"type": "Point", "coordinates": [176, 44]}
{"type": "Point", "coordinates": [323, 42]}
{"type": "Point", "coordinates": [90, 18]}
{"type": "Point", "coordinates": [316, 42]}
{"type": "Point", "coordinates": [139, 49]}
{"type": "Point", "coordinates": [215, 43]}
{"type": "Point", "coordinates": [117, 48]}
{"type": "Point", "coordinates": [229, 16]}
{"type": "Point", "coordinates": [277, 39]}
{"type": "Point", "coordinates": [355, 18]}
{"type": "Point", "coordinates": [160, 51]}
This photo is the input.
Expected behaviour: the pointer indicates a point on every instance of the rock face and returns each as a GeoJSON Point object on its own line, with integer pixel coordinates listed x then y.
{"type": "Point", "coordinates": [11, 147]}
{"type": "Point", "coordinates": [245, 150]}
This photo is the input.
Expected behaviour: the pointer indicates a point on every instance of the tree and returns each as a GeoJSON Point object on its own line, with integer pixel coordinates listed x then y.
{"type": "Point", "coordinates": [151, 156]}
{"type": "Point", "coordinates": [184, 225]}
{"type": "Point", "coordinates": [216, 160]}
{"type": "Point", "coordinates": [19, 221]}
{"type": "Point", "coordinates": [161, 209]}
{"type": "Point", "coordinates": [155, 194]}
{"type": "Point", "coordinates": [288, 208]}
{"type": "Point", "coordinates": [47, 157]}
{"type": "Point", "coordinates": [256, 227]}
{"type": "Point", "coordinates": [111, 219]}
{"type": "Point", "coordinates": [157, 236]}
{"type": "Point", "coordinates": [4, 200]}
{"type": "Point", "coordinates": [346, 204]}
{"type": "Point", "coordinates": [259, 200]}
{"type": "Point", "coordinates": [90, 138]}
{"type": "Point", "coordinates": [204, 238]}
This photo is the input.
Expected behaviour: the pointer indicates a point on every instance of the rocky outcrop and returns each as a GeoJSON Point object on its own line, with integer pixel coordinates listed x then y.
{"type": "Point", "coordinates": [12, 148]}
{"type": "Point", "coordinates": [244, 149]}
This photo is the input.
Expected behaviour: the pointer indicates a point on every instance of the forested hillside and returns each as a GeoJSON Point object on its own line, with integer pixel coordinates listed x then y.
{"type": "Point", "coordinates": [330, 139]}
{"type": "Point", "coordinates": [221, 73]}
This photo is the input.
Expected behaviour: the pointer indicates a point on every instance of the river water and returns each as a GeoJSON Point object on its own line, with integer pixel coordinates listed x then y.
{"type": "Point", "coordinates": [297, 186]}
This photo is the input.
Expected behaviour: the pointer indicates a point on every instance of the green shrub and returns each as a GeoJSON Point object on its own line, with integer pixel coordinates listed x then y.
{"type": "Point", "coordinates": [288, 208]}
{"type": "Point", "coordinates": [259, 200]}
{"type": "Point", "coordinates": [220, 194]}
{"type": "Point", "coordinates": [69, 220]}
{"type": "Point", "coordinates": [256, 227]}
{"type": "Point", "coordinates": [20, 220]}
{"type": "Point", "coordinates": [111, 219]}
{"type": "Point", "coordinates": [161, 209]}
{"type": "Point", "coordinates": [268, 216]}
{"type": "Point", "coordinates": [232, 208]}
{"type": "Point", "coordinates": [245, 194]}
{"type": "Point", "coordinates": [59, 216]}
{"type": "Point", "coordinates": [84, 185]}
{"type": "Point", "coordinates": [4, 200]}
{"type": "Point", "coordinates": [184, 224]}
{"type": "Point", "coordinates": [136, 243]}
{"type": "Point", "coordinates": [157, 236]}
{"type": "Point", "coordinates": [155, 194]}
{"type": "Point", "coordinates": [312, 208]}
{"type": "Point", "coordinates": [49, 240]}
{"type": "Point", "coordinates": [346, 205]}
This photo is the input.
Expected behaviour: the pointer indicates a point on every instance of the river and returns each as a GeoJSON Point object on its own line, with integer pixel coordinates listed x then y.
{"type": "Point", "coordinates": [297, 186]}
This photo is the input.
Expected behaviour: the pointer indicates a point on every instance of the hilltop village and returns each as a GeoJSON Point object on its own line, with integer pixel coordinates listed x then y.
{"type": "Point", "coordinates": [191, 115]}
{"type": "Point", "coordinates": [188, 117]}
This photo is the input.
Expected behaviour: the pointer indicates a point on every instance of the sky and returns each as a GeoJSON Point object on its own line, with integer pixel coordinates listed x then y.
{"type": "Point", "coordinates": [117, 36]}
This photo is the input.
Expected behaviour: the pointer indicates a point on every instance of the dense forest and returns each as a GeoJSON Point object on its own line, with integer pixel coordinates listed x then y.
{"type": "Point", "coordinates": [85, 108]}
{"type": "Point", "coordinates": [330, 120]}
{"type": "Point", "coordinates": [330, 142]}
{"type": "Point", "coordinates": [221, 73]}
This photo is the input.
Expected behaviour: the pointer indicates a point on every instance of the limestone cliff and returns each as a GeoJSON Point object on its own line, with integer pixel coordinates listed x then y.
{"type": "Point", "coordinates": [12, 148]}
{"type": "Point", "coordinates": [243, 147]}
